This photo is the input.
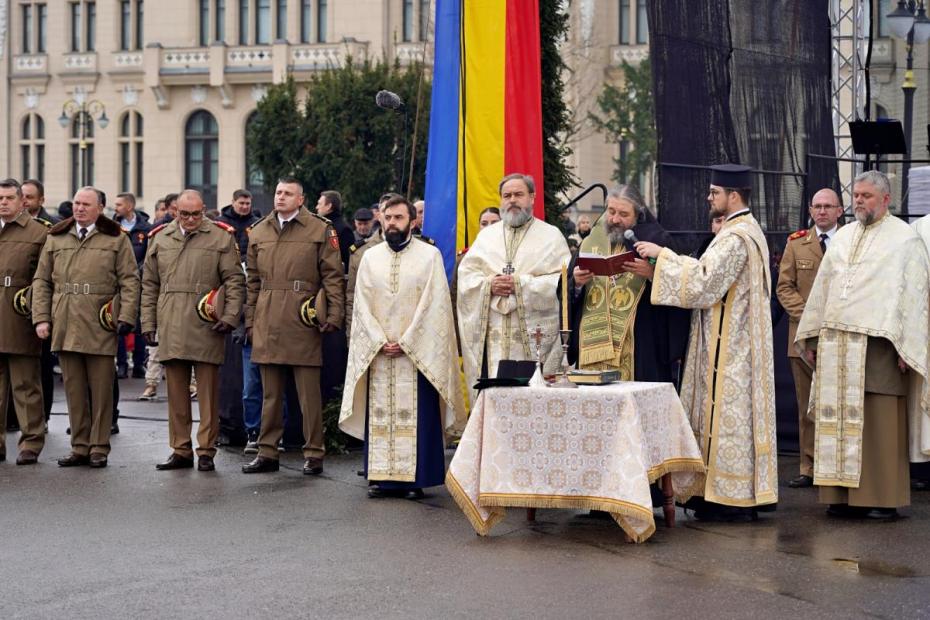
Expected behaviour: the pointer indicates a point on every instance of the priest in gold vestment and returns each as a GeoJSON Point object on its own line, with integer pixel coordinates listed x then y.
{"type": "Point", "coordinates": [403, 390]}
{"type": "Point", "coordinates": [614, 324]}
{"type": "Point", "coordinates": [728, 382]}
{"type": "Point", "coordinates": [508, 284]}
{"type": "Point", "coordinates": [864, 330]}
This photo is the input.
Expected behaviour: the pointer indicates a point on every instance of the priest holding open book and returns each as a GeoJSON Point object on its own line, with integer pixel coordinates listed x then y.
{"type": "Point", "coordinates": [614, 324]}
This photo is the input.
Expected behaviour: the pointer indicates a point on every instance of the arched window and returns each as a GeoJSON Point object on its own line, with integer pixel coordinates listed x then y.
{"type": "Point", "coordinates": [201, 155]}
{"type": "Point", "coordinates": [130, 153]}
{"type": "Point", "coordinates": [254, 179]}
{"type": "Point", "coordinates": [32, 147]}
{"type": "Point", "coordinates": [81, 145]}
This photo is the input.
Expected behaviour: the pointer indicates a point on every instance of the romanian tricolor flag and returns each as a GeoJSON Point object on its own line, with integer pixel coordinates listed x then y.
{"type": "Point", "coordinates": [486, 114]}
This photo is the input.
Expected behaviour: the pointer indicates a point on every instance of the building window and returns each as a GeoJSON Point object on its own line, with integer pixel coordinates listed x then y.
{"type": "Point", "coordinates": [32, 147]}
{"type": "Point", "coordinates": [306, 10]}
{"type": "Point", "coordinates": [204, 23]}
{"type": "Point", "coordinates": [75, 26]}
{"type": "Point", "coordinates": [91, 25]}
{"type": "Point", "coordinates": [82, 151]}
{"type": "Point", "coordinates": [642, 22]}
{"type": "Point", "coordinates": [83, 26]}
{"type": "Point", "coordinates": [140, 23]}
{"type": "Point", "coordinates": [263, 23]}
{"type": "Point", "coordinates": [408, 20]}
{"type": "Point", "coordinates": [243, 22]}
{"type": "Point", "coordinates": [321, 21]}
{"type": "Point", "coordinates": [201, 155]}
{"type": "Point", "coordinates": [130, 32]}
{"type": "Point", "coordinates": [884, 8]}
{"type": "Point", "coordinates": [219, 20]}
{"type": "Point", "coordinates": [130, 151]}
{"type": "Point", "coordinates": [28, 35]}
{"type": "Point", "coordinates": [281, 20]}
{"type": "Point", "coordinates": [424, 20]}
{"type": "Point", "coordinates": [624, 22]}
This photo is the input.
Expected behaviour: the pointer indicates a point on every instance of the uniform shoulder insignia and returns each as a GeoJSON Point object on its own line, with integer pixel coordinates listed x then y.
{"type": "Point", "coordinates": [156, 230]}
{"type": "Point", "coordinates": [426, 239]}
{"type": "Point", "coordinates": [333, 237]}
{"type": "Point", "coordinates": [320, 217]}
{"type": "Point", "coordinates": [353, 248]}
{"type": "Point", "coordinates": [42, 220]}
{"type": "Point", "coordinates": [797, 234]}
{"type": "Point", "coordinates": [231, 230]}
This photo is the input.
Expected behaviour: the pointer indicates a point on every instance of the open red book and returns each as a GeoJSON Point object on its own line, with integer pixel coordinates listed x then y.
{"type": "Point", "coordinates": [604, 265]}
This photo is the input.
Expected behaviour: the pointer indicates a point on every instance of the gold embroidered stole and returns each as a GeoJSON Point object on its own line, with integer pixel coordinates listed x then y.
{"type": "Point", "coordinates": [607, 317]}
{"type": "Point", "coordinates": [392, 419]}
{"type": "Point", "coordinates": [839, 394]}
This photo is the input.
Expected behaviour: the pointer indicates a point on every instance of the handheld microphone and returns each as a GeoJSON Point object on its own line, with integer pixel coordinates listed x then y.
{"type": "Point", "coordinates": [388, 100]}
{"type": "Point", "coordinates": [630, 236]}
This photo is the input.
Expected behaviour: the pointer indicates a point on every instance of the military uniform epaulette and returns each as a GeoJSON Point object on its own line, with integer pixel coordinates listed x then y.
{"type": "Point", "coordinates": [353, 248]}
{"type": "Point", "coordinates": [320, 217]}
{"type": "Point", "coordinates": [157, 230]}
{"type": "Point", "coordinates": [798, 234]}
{"type": "Point", "coordinates": [42, 220]}
{"type": "Point", "coordinates": [225, 227]}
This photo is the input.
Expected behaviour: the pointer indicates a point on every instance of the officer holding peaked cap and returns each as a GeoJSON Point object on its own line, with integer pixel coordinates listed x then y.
{"type": "Point", "coordinates": [85, 292]}
{"type": "Point", "coordinates": [193, 289]}
{"type": "Point", "coordinates": [21, 241]}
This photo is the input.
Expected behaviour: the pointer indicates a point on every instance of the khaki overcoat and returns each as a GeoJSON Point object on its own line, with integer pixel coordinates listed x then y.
{"type": "Point", "coordinates": [21, 243]}
{"type": "Point", "coordinates": [178, 270]}
{"type": "Point", "coordinates": [284, 270]}
{"type": "Point", "coordinates": [796, 273]}
{"type": "Point", "coordinates": [75, 279]}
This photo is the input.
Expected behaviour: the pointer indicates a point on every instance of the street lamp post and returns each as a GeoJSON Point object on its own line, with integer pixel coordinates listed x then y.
{"type": "Point", "coordinates": [83, 111]}
{"type": "Point", "coordinates": [909, 22]}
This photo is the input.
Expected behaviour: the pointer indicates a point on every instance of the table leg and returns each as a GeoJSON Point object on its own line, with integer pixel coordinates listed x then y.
{"type": "Point", "coordinates": [531, 514]}
{"type": "Point", "coordinates": [668, 505]}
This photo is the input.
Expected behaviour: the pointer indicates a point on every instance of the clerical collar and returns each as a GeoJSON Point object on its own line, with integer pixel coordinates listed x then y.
{"type": "Point", "coordinates": [398, 247]}
{"type": "Point", "coordinates": [733, 216]}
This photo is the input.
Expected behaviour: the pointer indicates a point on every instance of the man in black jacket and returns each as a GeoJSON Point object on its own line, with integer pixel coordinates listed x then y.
{"type": "Point", "coordinates": [134, 223]}
{"type": "Point", "coordinates": [330, 206]}
{"type": "Point", "coordinates": [239, 215]}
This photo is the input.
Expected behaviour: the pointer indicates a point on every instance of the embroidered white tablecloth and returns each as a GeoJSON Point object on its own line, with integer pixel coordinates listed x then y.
{"type": "Point", "coordinates": [594, 448]}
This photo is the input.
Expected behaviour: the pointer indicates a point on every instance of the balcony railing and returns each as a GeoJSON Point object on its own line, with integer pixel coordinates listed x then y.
{"type": "Point", "coordinates": [81, 62]}
{"type": "Point", "coordinates": [30, 64]}
{"type": "Point", "coordinates": [632, 54]}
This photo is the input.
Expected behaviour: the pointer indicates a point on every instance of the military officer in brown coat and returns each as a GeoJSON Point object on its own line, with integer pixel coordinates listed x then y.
{"type": "Point", "coordinates": [21, 241]}
{"type": "Point", "coordinates": [293, 256]}
{"type": "Point", "coordinates": [86, 264]}
{"type": "Point", "coordinates": [797, 271]}
{"type": "Point", "coordinates": [186, 261]}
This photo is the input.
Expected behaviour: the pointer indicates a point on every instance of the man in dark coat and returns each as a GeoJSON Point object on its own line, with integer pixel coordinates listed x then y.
{"type": "Point", "coordinates": [134, 223]}
{"type": "Point", "coordinates": [241, 217]}
{"type": "Point", "coordinates": [330, 206]}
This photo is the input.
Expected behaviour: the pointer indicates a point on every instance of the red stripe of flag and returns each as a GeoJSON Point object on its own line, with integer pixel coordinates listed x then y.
{"type": "Point", "coordinates": [523, 103]}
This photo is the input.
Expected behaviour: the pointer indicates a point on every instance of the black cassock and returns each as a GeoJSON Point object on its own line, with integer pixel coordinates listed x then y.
{"type": "Point", "coordinates": [660, 333]}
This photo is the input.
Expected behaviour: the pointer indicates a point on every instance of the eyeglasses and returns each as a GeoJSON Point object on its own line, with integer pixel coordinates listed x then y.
{"type": "Point", "coordinates": [189, 215]}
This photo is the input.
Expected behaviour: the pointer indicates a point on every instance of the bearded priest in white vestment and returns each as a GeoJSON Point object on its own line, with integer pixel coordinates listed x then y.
{"type": "Point", "coordinates": [864, 330]}
{"type": "Point", "coordinates": [508, 284]}
{"type": "Point", "coordinates": [728, 386]}
{"type": "Point", "coordinates": [403, 390]}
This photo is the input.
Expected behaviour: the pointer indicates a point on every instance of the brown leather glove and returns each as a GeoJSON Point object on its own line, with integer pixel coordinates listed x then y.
{"type": "Point", "coordinates": [221, 327]}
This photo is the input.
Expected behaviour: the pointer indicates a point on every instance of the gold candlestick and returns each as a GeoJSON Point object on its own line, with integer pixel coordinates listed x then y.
{"type": "Point", "coordinates": [565, 296]}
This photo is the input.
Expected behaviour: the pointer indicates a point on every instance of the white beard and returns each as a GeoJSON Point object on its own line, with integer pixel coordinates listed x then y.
{"type": "Point", "coordinates": [515, 220]}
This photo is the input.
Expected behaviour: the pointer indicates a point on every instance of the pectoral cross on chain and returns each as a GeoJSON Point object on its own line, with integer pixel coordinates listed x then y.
{"type": "Point", "coordinates": [537, 337]}
{"type": "Point", "coordinates": [508, 269]}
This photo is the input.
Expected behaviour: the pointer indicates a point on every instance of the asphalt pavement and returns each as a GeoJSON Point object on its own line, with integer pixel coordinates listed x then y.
{"type": "Point", "coordinates": [131, 542]}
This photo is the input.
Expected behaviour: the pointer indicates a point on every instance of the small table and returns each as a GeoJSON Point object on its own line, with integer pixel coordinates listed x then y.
{"type": "Point", "coordinates": [594, 448]}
